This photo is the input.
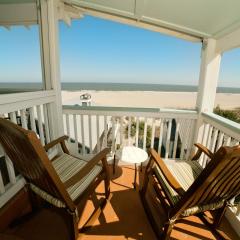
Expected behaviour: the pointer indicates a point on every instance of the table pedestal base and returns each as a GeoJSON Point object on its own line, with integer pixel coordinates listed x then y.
{"type": "Point", "coordinates": [135, 176]}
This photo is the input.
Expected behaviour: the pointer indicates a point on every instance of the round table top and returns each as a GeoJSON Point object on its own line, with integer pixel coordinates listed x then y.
{"type": "Point", "coordinates": [131, 154]}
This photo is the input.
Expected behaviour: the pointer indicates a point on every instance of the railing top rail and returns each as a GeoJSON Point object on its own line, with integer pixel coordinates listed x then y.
{"type": "Point", "coordinates": [223, 122]}
{"type": "Point", "coordinates": [16, 101]}
{"type": "Point", "coordinates": [24, 96]}
{"type": "Point", "coordinates": [127, 111]}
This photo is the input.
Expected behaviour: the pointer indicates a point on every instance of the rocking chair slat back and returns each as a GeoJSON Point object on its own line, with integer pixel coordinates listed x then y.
{"type": "Point", "coordinates": [29, 157]}
{"type": "Point", "coordinates": [219, 181]}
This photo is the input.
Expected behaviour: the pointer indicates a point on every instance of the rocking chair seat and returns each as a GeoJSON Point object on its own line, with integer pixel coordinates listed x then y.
{"type": "Point", "coordinates": [185, 172]}
{"type": "Point", "coordinates": [67, 166]}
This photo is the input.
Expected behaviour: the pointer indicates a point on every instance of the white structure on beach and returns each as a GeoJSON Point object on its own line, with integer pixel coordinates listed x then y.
{"type": "Point", "coordinates": [215, 23]}
{"type": "Point", "coordinates": [86, 99]}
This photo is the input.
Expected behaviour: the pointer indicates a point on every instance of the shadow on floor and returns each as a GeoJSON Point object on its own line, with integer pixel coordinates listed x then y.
{"type": "Point", "coordinates": [122, 218]}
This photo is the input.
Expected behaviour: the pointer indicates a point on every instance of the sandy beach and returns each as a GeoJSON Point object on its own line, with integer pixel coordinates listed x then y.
{"type": "Point", "coordinates": [151, 99]}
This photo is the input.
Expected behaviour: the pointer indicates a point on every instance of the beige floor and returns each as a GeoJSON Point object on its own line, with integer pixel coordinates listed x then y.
{"type": "Point", "coordinates": [123, 218]}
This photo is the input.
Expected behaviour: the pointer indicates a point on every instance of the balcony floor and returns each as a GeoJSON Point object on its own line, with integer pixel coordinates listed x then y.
{"type": "Point", "coordinates": [123, 218]}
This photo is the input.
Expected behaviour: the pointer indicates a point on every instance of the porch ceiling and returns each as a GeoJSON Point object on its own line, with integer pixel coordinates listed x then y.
{"type": "Point", "coordinates": [16, 1]}
{"type": "Point", "coordinates": [202, 18]}
{"type": "Point", "coordinates": [187, 19]}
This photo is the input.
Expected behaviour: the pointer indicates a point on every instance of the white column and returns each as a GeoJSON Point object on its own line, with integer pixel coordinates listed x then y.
{"type": "Point", "coordinates": [208, 78]}
{"type": "Point", "coordinates": [207, 86]}
{"type": "Point", "coordinates": [48, 22]}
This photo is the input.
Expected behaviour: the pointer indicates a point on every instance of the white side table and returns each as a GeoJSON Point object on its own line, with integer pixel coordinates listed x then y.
{"type": "Point", "coordinates": [131, 154]}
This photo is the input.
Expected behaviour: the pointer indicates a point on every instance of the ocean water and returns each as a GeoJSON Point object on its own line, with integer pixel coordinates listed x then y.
{"type": "Point", "coordinates": [20, 87]}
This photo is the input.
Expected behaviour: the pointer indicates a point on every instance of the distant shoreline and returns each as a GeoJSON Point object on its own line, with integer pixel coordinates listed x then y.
{"type": "Point", "coordinates": [72, 86]}
{"type": "Point", "coordinates": [139, 87]}
{"type": "Point", "coordinates": [148, 99]}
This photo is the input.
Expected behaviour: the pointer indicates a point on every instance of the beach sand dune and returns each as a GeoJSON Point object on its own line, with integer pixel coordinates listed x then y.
{"type": "Point", "coordinates": [148, 99]}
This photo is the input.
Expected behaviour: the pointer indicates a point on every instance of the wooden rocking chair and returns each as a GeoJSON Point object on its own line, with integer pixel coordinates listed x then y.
{"type": "Point", "coordinates": [184, 188]}
{"type": "Point", "coordinates": [64, 181]}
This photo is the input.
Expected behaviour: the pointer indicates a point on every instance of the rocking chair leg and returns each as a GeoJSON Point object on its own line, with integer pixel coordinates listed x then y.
{"type": "Point", "coordinates": [76, 230]}
{"type": "Point", "coordinates": [72, 224]}
{"type": "Point", "coordinates": [145, 184]}
{"type": "Point", "coordinates": [167, 229]}
{"type": "Point", "coordinates": [114, 164]}
{"type": "Point", "coordinates": [219, 216]}
{"type": "Point", "coordinates": [106, 178]}
{"type": "Point", "coordinates": [107, 188]}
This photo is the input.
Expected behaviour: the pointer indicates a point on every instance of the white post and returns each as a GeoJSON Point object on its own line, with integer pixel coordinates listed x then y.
{"type": "Point", "coordinates": [48, 22]}
{"type": "Point", "coordinates": [208, 79]}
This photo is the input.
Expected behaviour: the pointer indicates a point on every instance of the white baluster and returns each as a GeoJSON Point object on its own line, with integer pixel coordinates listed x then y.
{"type": "Point", "coordinates": [153, 132]}
{"type": "Point", "coordinates": [210, 133]}
{"type": "Point", "coordinates": [45, 114]}
{"type": "Point", "coordinates": [121, 131]}
{"type": "Point", "coordinates": [137, 131]}
{"type": "Point", "coordinates": [23, 118]}
{"type": "Point", "coordinates": [82, 133]}
{"type": "Point", "coordinates": [129, 130]}
{"type": "Point", "coordinates": [184, 136]}
{"type": "Point", "coordinates": [75, 132]}
{"type": "Point", "coordinates": [13, 117]}
{"type": "Point", "coordinates": [32, 119]}
{"type": "Point", "coordinates": [214, 140]}
{"type": "Point", "coordinates": [145, 134]}
{"type": "Point", "coordinates": [190, 138]}
{"type": "Point", "coordinates": [90, 132]}
{"type": "Point", "coordinates": [98, 133]}
{"type": "Point", "coordinates": [160, 137]}
{"type": "Point", "coordinates": [68, 126]}
{"type": "Point", "coordinates": [168, 138]}
{"type": "Point", "coordinates": [208, 143]}
{"type": "Point", "coordinates": [176, 139]}
{"type": "Point", "coordinates": [113, 134]}
{"type": "Point", "coordinates": [40, 125]}
{"type": "Point", "coordinates": [205, 134]}
{"type": "Point", "coordinates": [227, 141]}
{"type": "Point", "coordinates": [105, 131]}
{"type": "Point", "coordinates": [220, 140]}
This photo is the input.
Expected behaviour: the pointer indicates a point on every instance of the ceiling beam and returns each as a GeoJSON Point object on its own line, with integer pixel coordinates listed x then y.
{"type": "Point", "coordinates": [18, 14]}
{"type": "Point", "coordinates": [228, 42]}
{"type": "Point", "coordinates": [138, 23]}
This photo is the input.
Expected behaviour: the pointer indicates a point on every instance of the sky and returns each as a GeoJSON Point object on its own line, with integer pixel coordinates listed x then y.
{"type": "Point", "coordinates": [97, 50]}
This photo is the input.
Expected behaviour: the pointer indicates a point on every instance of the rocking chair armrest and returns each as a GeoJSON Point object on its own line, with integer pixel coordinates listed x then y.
{"type": "Point", "coordinates": [101, 156]}
{"type": "Point", "coordinates": [60, 140]}
{"type": "Point", "coordinates": [201, 149]}
{"type": "Point", "coordinates": [172, 181]}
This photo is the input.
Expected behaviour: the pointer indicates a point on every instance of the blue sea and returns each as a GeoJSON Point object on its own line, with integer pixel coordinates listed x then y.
{"type": "Point", "coordinates": [72, 86]}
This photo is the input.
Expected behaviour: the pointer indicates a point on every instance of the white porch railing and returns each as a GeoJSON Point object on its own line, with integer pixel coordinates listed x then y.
{"type": "Point", "coordinates": [30, 110]}
{"type": "Point", "coordinates": [219, 131]}
{"type": "Point", "coordinates": [90, 125]}
{"type": "Point", "coordinates": [170, 132]}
